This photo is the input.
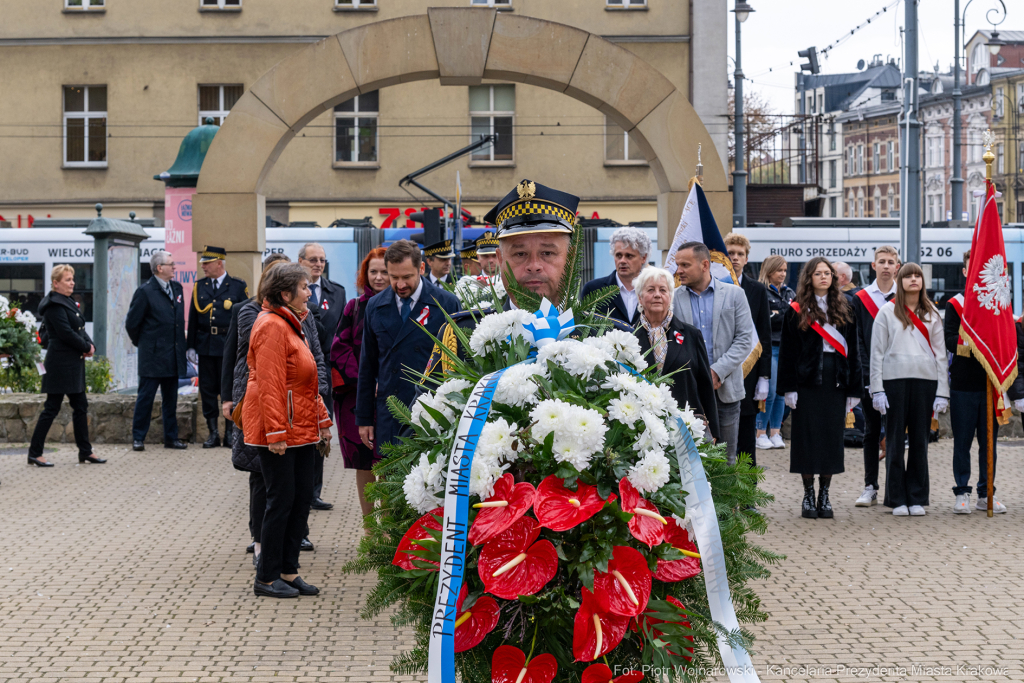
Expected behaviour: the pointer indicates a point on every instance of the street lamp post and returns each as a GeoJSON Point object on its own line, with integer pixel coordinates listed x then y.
{"type": "Point", "coordinates": [739, 174]}
{"type": "Point", "coordinates": [957, 181]}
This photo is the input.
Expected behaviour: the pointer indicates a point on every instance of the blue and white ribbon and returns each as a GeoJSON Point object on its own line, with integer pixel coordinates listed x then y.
{"type": "Point", "coordinates": [700, 509]}
{"type": "Point", "coordinates": [548, 325]}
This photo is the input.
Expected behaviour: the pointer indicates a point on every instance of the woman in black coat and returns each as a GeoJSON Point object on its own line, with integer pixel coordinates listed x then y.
{"type": "Point", "coordinates": [821, 381]}
{"type": "Point", "coordinates": [677, 346]}
{"type": "Point", "coordinates": [68, 345]}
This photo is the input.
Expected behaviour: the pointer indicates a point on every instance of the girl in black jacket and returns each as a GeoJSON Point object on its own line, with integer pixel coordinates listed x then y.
{"type": "Point", "coordinates": [68, 347]}
{"type": "Point", "coordinates": [769, 422]}
{"type": "Point", "coordinates": [821, 381]}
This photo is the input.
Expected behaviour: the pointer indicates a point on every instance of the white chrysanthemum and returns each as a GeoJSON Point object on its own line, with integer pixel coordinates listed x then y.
{"type": "Point", "coordinates": [620, 382]}
{"type": "Point", "coordinates": [496, 328]}
{"type": "Point", "coordinates": [5, 305]}
{"type": "Point", "coordinates": [26, 319]}
{"type": "Point", "coordinates": [548, 415]}
{"type": "Point", "coordinates": [579, 432]}
{"type": "Point", "coordinates": [583, 360]}
{"type": "Point", "coordinates": [452, 386]}
{"type": "Point", "coordinates": [655, 434]}
{"type": "Point", "coordinates": [482, 477]}
{"type": "Point", "coordinates": [620, 345]}
{"type": "Point", "coordinates": [649, 473]}
{"type": "Point", "coordinates": [650, 398]}
{"type": "Point", "coordinates": [422, 485]}
{"type": "Point", "coordinates": [515, 388]}
{"type": "Point", "coordinates": [496, 441]}
{"type": "Point", "coordinates": [421, 416]}
{"type": "Point", "coordinates": [693, 423]}
{"type": "Point", "coordinates": [669, 401]}
{"type": "Point", "coordinates": [625, 409]}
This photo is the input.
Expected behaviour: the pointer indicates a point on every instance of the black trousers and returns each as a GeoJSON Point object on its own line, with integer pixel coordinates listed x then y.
{"type": "Point", "coordinates": [872, 438]}
{"type": "Point", "coordinates": [144, 407]}
{"type": "Point", "coordinates": [747, 440]}
{"type": "Point", "coordinates": [318, 475]}
{"type": "Point", "coordinates": [79, 419]}
{"type": "Point", "coordinates": [910, 411]}
{"type": "Point", "coordinates": [257, 504]}
{"type": "Point", "coordinates": [289, 484]}
{"type": "Point", "coordinates": [209, 385]}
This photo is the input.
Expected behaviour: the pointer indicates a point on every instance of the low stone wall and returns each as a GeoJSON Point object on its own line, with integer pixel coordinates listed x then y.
{"type": "Point", "coordinates": [110, 419]}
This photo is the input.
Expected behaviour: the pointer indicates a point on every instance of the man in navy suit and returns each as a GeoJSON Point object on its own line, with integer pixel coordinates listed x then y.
{"type": "Point", "coordinates": [156, 325]}
{"type": "Point", "coordinates": [393, 345]}
{"type": "Point", "coordinates": [630, 248]}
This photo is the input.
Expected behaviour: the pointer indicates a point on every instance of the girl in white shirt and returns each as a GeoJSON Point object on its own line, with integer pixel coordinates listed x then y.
{"type": "Point", "coordinates": [908, 383]}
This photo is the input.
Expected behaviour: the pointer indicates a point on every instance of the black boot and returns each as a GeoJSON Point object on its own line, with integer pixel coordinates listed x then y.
{"type": "Point", "coordinates": [229, 434]}
{"type": "Point", "coordinates": [214, 440]}
{"type": "Point", "coordinates": [824, 506]}
{"type": "Point", "coordinates": [809, 510]}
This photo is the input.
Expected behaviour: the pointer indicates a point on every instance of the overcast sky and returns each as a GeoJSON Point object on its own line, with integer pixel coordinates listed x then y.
{"type": "Point", "coordinates": [777, 29]}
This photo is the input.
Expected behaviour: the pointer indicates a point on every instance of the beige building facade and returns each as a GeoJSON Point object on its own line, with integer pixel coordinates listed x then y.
{"type": "Point", "coordinates": [99, 94]}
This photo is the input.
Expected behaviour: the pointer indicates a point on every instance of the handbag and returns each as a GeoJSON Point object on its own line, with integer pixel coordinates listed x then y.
{"type": "Point", "coordinates": [236, 414]}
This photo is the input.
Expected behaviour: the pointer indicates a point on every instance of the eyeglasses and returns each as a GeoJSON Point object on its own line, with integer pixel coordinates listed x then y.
{"type": "Point", "coordinates": [316, 260]}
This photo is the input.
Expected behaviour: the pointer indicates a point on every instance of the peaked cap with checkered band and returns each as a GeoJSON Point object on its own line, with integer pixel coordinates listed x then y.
{"type": "Point", "coordinates": [532, 207]}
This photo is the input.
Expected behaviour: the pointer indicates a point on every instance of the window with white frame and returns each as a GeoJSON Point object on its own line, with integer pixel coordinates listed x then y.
{"type": "Point", "coordinates": [85, 126]}
{"type": "Point", "coordinates": [355, 4]}
{"type": "Point", "coordinates": [215, 101]}
{"type": "Point", "coordinates": [876, 159]}
{"type": "Point", "coordinates": [220, 4]}
{"type": "Point", "coordinates": [877, 204]}
{"type": "Point", "coordinates": [1000, 159]}
{"type": "Point", "coordinates": [860, 159]}
{"type": "Point", "coordinates": [889, 196]}
{"type": "Point", "coordinates": [84, 4]}
{"type": "Point", "coordinates": [625, 4]}
{"type": "Point", "coordinates": [355, 129]}
{"type": "Point", "coordinates": [491, 3]}
{"type": "Point", "coordinates": [999, 102]}
{"type": "Point", "coordinates": [889, 156]}
{"type": "Point", "coordinates": [832, 137]}
{"type": "Point", "coordinates": [618, 148]}
{"type": "Point", "coordinates": [860, 207]}
{"type": "Point", "coordinates": [492, 111]}
{"type": "Point", "coordinates": [832, 207]}
{"type": "Point", "coordinates": [832, 174]}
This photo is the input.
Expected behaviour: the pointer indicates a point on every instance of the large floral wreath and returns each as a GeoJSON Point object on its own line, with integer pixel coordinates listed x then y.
{"type": "Point", "coordinates": [579, 559]}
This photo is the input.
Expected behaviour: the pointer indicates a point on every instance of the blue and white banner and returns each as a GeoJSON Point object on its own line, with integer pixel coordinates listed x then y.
{"type": "Point", "coordinates": [700, 510]}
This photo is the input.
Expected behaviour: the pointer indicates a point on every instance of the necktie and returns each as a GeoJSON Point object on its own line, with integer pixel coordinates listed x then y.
{"type": "Point", "coordinates": [406, 307]}
{"type": "Point", "coordinates": [167, 290]}
{"type": "Point", "coordinates": [316, 297]}
{"type": "Point", "coordinates": [214, 287]}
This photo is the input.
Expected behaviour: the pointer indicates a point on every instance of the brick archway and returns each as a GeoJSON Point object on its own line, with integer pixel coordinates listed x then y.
{"type": "Point", "coordinates": [458, 46]}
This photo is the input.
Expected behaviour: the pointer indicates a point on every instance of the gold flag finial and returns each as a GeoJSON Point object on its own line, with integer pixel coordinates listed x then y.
{"type": "Point", "coordinates": [988, 157]}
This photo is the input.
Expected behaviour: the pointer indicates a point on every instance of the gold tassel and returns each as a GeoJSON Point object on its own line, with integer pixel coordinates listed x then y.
{"type": "Point", "coordinates": [850, 420]}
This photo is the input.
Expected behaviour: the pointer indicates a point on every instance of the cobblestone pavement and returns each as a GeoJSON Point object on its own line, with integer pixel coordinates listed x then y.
{"type": "Point", "coordinates": [135, 570]}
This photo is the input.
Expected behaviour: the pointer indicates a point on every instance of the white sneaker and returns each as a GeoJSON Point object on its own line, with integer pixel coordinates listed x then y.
{"type": "Point", "coordinates": [916, 511]}
{"type": "Point", "coordinates": [997, 507]}
{"type": "Point", "coordinates": [963, 504]}
{"type": "Point", "coordinates": [777, 441]}
{"type": "Point", "coordinates": [764, 443]}
{"type": "Point", "coordinates": [901, 511]}
{"type": "Point", "coordinates": [868, 498]}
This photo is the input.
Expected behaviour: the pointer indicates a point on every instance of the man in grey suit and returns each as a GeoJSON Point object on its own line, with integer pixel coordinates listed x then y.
{"type": "Point", "coordinates": [720, 311]}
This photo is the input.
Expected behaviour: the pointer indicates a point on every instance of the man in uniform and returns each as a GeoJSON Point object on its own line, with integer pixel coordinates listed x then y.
{"type": "Point", "coordinates": [487, 253]}
{"type": "Point", "coordinates": [439, 261]}
{"type": "Point", "coordinates": [470, 265]}
{"type": "Point", "coordinates": [209, 316]}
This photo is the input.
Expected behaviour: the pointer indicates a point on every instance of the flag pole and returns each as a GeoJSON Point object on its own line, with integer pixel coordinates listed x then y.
{"type": "Point", "coordinates": [988, 157]}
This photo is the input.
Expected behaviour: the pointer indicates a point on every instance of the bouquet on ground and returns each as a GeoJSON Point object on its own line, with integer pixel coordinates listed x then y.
{"type": "Point", "coordinates": [579, 558]}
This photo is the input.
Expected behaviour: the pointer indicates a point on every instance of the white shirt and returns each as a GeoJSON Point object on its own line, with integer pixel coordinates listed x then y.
{"type": "Point", "coordinates": [630, 298]}
{"type": "Point", "coordinates": [873, 287]}
{"type": "Point", "coordinates": [415, 297]}
{"type": "Point", "coordinates": [823, 305]}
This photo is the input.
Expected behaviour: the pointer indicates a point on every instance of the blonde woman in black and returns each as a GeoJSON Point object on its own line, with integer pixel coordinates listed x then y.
{"type": "Point", "coordinates": [820, 378]}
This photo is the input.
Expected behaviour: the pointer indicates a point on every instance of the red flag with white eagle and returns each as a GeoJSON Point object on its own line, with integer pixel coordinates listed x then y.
{"type": "Point", "coordinates": [987, 323]}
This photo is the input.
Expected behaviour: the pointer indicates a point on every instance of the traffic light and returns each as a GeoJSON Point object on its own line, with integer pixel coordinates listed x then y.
{"type": "Point", "coordinates": [811, 55]}
{"type": "Point", "coordinates": [431, 220]}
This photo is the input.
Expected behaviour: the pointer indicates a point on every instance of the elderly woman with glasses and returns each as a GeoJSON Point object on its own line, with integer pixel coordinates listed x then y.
{"type": "Point", "coordinates": [676, 347]}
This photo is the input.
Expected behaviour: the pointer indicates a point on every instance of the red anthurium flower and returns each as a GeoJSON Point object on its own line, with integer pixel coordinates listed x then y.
{"type": "Point", "coordinates": [600, 673]}
{"type": "Point", "coordinates": [509, 665]}
{"type": "Point", "coordinates": [473, 624]}
{"type": "Point", "coordinates": [596, 631]}
{"type": "Point", "coordinates": [652, 624]}
{"type": "Point", "coordinates": [627, 583]}
{"type": "Point", "coordinates": [511, 564]}
{"type": "Point", "coordinates": [678, 570]}
{"type": "Point", "coordinates": [560, 509]}
{"type": "Point", "coordinates": [647, 526]}
{"type": "Point", "coordinates": [509, 502]}
{"type": "Point", "coordinates": [416, 532]}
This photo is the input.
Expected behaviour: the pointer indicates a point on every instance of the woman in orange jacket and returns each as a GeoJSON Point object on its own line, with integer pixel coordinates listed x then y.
{"type": "Point", "coordinates": [285, 418]}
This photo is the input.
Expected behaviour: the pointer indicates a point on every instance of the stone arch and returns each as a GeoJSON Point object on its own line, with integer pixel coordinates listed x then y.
{"type": "Point", "coordinates": [457, 46]}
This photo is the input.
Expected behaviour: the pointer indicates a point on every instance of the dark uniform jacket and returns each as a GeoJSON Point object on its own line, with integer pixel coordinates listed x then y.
{"type": "Point", "coordinates": [865, 326]}
{"type": "Point", "coordinates": [965, 372]}
{"type": "Point", "coordinates": [393, 353]}
{"type": "Point", "coordinates": [801, 355]}
{"type": "Point", "coordinates": [778, 304]}
{"type": "Point", "coordinates": [210, 313]}
{"type": "Point", "coordinates": [68, 342]}
{"type": "Point", "coordinates": [757, 299]}
{"type": "Point", "coordinates": [694, 384]}
{"type": "Point", "coordinates": [327, 313]}
{"type": "Point", "coordinates": [156, 325]}
{"type": "Point", "coordinates": [614, 307]}
{"type": "Point", "coordinates": [1016, 390]}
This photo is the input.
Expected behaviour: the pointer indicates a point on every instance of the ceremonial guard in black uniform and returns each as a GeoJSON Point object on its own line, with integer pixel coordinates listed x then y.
{"type": "Point", "coordinates": [470, 266]}
{"type": "Point", "coordinates": [487, 252]}
{"type": "Point", "coordinates": [439, 261]}
{"type": "Point", "coordinates": [208, 319]}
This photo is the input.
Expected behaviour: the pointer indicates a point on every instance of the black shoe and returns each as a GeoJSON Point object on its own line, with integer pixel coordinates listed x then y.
{"type": "Point", "coordinates": [306, 545]}
{"type": "Point", "coordinates": [251, 548]}
{"type": "Point", "coordinates": [38, 463]}
{"type": "Point", "coordinates": [91, 459]}
{"type": "Point", "coordinates": [824, 506]}
{"type": "Point", "coordinates": [229, 436]}
{"type": "Point", "coordinates": [320, 504]}
{"type": "Point", "coordinates": [809, 509]}
{"type": "Point", "coordinates": [177, 444]}
{"type": "Point", "coordinates": [303, 587]}
{"type": "Point", "coordinates": [138, 445]}
{"type": "Point", "coordinates": [214, 440]}
{"type": "Point", "coordinates": [278, 589]}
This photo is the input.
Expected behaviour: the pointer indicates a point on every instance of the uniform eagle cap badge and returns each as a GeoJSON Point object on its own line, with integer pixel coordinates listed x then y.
{"type": "Point", "coordinates": [527, 189]}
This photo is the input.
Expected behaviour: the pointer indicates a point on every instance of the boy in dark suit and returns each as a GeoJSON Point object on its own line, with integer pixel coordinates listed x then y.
{"type": "Point", "coordinates": [156, 325]}
{"type": "Point", "coordinates": [393, 343]}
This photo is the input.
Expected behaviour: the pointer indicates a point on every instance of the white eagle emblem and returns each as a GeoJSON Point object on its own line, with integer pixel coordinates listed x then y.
{"type": "Point", "coordinates": [994, 292]}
